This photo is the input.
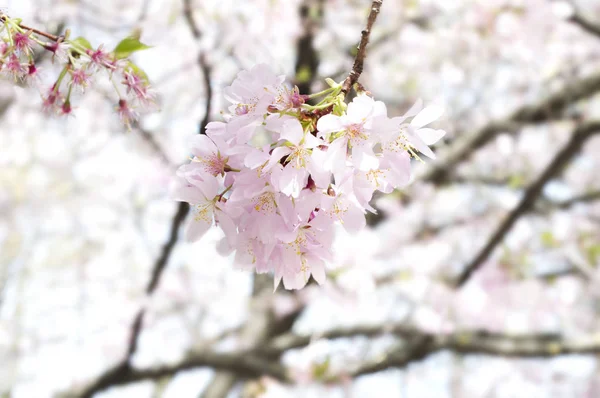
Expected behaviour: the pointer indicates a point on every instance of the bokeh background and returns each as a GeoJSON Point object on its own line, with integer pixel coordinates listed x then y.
{"type": "Point", "coordinates": [100, 296]}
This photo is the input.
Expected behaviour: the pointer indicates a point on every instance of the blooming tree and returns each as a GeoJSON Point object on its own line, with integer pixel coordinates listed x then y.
{"type": "Point", "coordinates": [476, 274]}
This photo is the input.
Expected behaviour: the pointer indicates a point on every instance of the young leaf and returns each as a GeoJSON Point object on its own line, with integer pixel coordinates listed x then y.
{"type": "Point", "coordinates": [138, 71]}
{"type": "Point", "coordinates": [127, 46]}
{"type": "Point", "coordinates": [83, 42]}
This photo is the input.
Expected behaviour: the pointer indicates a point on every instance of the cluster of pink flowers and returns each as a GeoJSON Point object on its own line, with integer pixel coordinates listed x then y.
{"type": "Point", "coordinates": [80, 62]}
{"type": "Point", "coordinates": [279, 173]}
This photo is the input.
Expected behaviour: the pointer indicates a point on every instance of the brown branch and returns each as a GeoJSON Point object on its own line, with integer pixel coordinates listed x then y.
{"type": "Point", "coordinates": [578, 19]}
{"type": "Point", "coordinates": [160, 264]}
{"type": "Point", "coordinates": [583, 198]}
{"type": "Point", "coordinates": [188, 13]}
{"type": "Point", "coordinates": [241, 363]}
{"type": "Point", "coordinates": [479, 343]}
{"type": "Point", "coordinates": [307, 57]}
{"type": "Point", "coordinates": [357, 67]}
{"type": "Point", "coordinates": [416, 345]}
{"type": "Point", "coordinates": [291, 341]}
{"type": "Point", "coordinates": [47, 35]}
{"type": "Point", "coordinates": [544, 110]}
{"type": "Point", "coordinates": [123, 370]}
{"type": "Point", "coordinates": [562, 158]}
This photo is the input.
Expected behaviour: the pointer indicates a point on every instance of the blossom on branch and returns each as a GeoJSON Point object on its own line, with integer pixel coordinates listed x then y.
{"type": "Point", "coordinates": [279, 174]}
{"type": "Point", "coordinates": [80, 62]}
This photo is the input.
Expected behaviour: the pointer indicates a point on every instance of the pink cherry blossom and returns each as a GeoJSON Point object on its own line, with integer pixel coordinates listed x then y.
{"type": "Point", "coordinates": [277, 175]}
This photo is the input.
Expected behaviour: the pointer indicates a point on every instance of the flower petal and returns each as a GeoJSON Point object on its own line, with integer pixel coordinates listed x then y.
{"type": "Point", "coordinates": [430, 136]}
{"type": "Point", "coordinates": [329, 124]}
{"type": "Point", "coordinates": [427, 115]}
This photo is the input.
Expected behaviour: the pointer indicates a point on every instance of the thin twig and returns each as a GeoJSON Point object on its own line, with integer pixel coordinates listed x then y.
{"type": "Point", "coordinates": [562, 158]}
{"type": "Point", "coordinates": [552, 106]}
{"type": "Point", "coordinates": [416, 345]}
{"type": "Point", "coordinates": [357, 67]}
{"type": "Point", "coordinates": [188, 13]}
{"type": "Point", "coordinates": [578, 19]}
{"type": "Point", "coordinates": [47, 35]}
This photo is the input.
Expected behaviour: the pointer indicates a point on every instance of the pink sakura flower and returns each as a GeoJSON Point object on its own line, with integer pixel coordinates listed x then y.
{"type": "Point", "coordinates": [399, 136]}
{"type": "Point", "coordinates": [207, 155]}
{"type": "Point", "coordinates": [286, 99]}
{"type": "Point", "coordinates": [265, 174]}
{"type": "Point", "coordinates": [100, 58]}
{"type": "Point", "coordinates": [201, 192]}
{"type": "Point", "coordinates": [298, 161]}
{"type": "Point", "coordinates": [51, 100]}
{"type": "Point", "coordinates": [59, 50]}
{"type": "Point", "coordinates": [14, 67]}
{"type": "Point", "coordinates": [251, 94]}
{"type": "Point", "coordinates": [126, 113]}
{"type": "Point", "coordinates": [352, 132]}
{"type": "Point", "coordinates": [138, 86]}
{"type": "Point", "coordinates": [80, 78]}
{"type": "Point", "coordinates": [344, 208]}
{"type": "Point", "coordinates": [66, 108]}
{"type": "Point", "coordinates": [22, 42]}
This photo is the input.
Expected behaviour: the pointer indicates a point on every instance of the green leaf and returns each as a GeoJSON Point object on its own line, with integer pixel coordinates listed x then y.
{"type": "Point", "coordinates": [304, 75]}
{"type": "Point", "coordinates": [516, 181]}
{"type": "Point", "coordinates": [593, 253]}
{"type": "Point", "coordinates": [128, 46]}
{"type": "Point", "coordinates": [320, 370]}
{"type": "Point", "coordinates": [138, 71]}
{"type": "Point", "coordinates": [548, 239]}
{"type": "Point", "coordinates": [82, 42]}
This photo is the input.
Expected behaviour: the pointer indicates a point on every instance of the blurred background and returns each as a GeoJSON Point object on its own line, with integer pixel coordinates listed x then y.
{"type": "Point", "coordinates": [101, 297]}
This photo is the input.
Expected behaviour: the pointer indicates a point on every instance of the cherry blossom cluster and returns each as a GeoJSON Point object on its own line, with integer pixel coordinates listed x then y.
{"type": "Point", "coordinates": [278, 173]}
{"type": "Point", "coordinates": [80, 64]}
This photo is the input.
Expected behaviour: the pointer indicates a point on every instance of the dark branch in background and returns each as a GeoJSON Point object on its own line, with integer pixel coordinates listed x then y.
{"type": "Point", "coordinates": [357, 67]}
{"type": "Point", "coordinates": [583, 198]}
{"type": "Point", "coordinates": [307, 58]}
{"type": "Point", "coordinates": [124, 370]}
{"type": "Point", "coordinates": [414, 346]}
{"type": "Point", "coordinates": [161, 262]}
{"type": "Point", "coordinates": [154, 145]}
{"type": "Point", "coordinates": [188, 14]}
{"type": "Point", "coordinates": [562, 158]}
{"type": "Point", "coordinates": [34, 30]}
{"type": "Point", "coordinates": [545, 110]}
{"type": "Point", "coordinates": [263, 326]}
{"type": "Point", "coordinates": [578, 19]}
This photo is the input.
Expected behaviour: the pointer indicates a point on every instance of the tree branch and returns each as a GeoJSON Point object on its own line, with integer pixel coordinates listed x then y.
{"type": "Point", "coordinates": [188, 13]}
{"type": "Point", "coordinates": [357, 67]}
{"type": "Point", "coordinates": [416, 346]}
{"type": "Point", "coordinates": [544, 110]}
{"type": "Point", "coordinates": [562, 158]}
{"type": "Point", "coordinates": [578, 19]}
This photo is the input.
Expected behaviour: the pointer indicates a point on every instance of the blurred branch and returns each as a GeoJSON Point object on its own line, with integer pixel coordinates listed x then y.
{"type": "Point", "coordinates": [307, 58]}
{"type": "Point", "coordinates": [578, 19]}
{"type": "Point", "coordinates": [416, 345]}
{"type": "Point", "coordinates": [357, 67]}
{"type": "Point", "coordinates": [583, 198]}
{"type": "Point", "coordinates": [188, 13]}
{"type": "Point", "coordinates": [241, 363]}
{"type": "Point", "coordinates": [160, 264]}
{"type": "Point", "coordinates": [562, 158]}
{"type": "Point", "coordinates": [124, 370]}
{"type": "Point", "coordinates": [149, 138]}
{"type": "Point", "coordinates": [480, 343]}
{"type": "Point", "coordinates": [544, 110]}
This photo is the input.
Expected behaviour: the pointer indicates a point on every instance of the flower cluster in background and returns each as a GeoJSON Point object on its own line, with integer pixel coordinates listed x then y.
{"type": "Point", "coordinates": [80, 64]}
{"type": "Point", "coordinates": [279, 173]}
